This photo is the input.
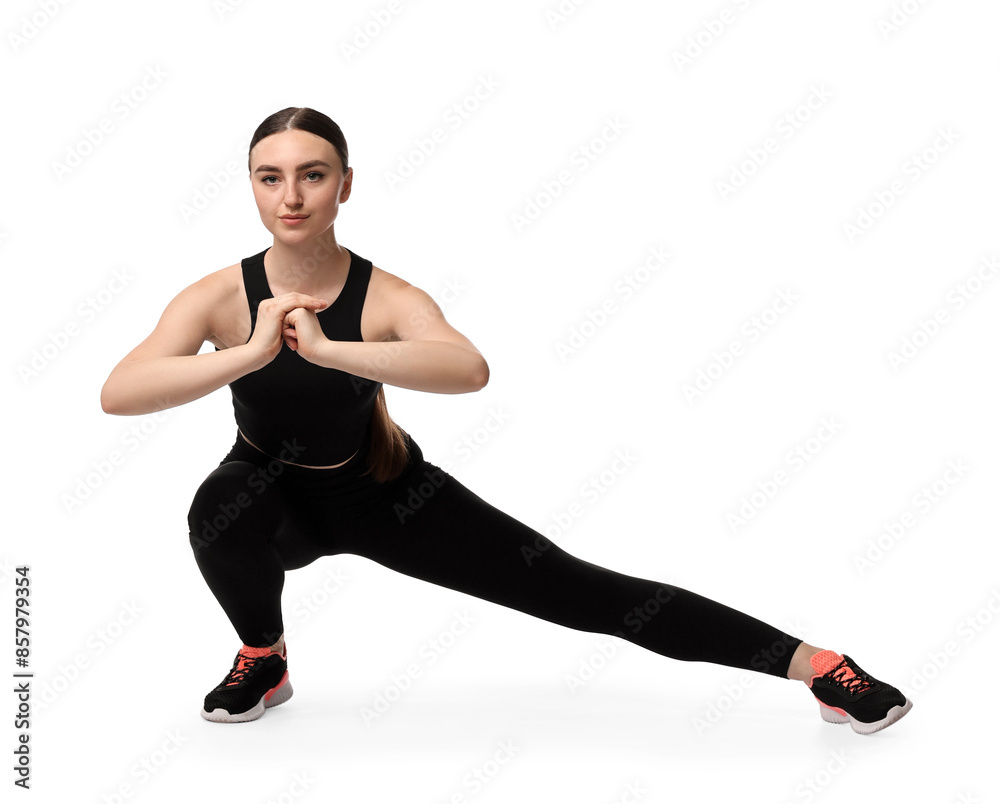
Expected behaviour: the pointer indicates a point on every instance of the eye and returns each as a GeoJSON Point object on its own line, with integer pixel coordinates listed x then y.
{"type": "Point", "coordinates": [318, 174]}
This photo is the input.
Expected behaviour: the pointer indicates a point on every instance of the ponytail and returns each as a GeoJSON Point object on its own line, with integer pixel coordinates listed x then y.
{"type": "Point", "coordinates": [389, 451]}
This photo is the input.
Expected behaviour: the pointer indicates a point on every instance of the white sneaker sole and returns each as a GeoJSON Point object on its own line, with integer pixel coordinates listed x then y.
{"type": "Point", "coordinates": [273, 697]}
{"type": "Point", "coordinates": [832, 715]}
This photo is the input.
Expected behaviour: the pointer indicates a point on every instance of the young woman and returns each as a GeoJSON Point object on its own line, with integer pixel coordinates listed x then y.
{"type": "Point", "coordinates": [306, 333]}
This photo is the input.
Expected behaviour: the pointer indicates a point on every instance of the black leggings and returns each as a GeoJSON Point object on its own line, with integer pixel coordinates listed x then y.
{"type": "Point", "coordinates": [253, 518]}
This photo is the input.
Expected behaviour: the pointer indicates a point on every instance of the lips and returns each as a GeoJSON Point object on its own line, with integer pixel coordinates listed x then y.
{"type": "Point", "coordinates": [293, 217]}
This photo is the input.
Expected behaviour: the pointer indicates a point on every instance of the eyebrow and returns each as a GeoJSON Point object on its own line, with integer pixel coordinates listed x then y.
{"type": "Point", "coordinates": [303, 166]}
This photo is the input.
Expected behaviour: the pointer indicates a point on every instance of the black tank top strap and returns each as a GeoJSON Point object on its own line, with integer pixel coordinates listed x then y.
{"type": "Point", "coordinates": [255, 282]}
{"type": "Point", "coordinates": [352, 297]}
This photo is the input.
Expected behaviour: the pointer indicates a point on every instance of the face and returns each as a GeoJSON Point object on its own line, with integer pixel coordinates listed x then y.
{"type": "Point", "coordinates": [297, 173]}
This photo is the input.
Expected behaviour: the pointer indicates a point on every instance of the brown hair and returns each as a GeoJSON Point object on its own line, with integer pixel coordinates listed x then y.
{"type": "Point", "coordinates": [389, 452]}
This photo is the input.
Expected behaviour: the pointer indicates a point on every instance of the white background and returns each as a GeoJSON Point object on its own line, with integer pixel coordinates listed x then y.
{"type": "Point", "coordinates": [127, 638]}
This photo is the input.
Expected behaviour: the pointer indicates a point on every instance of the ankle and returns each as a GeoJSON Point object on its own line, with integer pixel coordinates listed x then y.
{"type": "Point", "coordinates": [278, 647]}
{"type": "Point", "coordinates": [800, 668]}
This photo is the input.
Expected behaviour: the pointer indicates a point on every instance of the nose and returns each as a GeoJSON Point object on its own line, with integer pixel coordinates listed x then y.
{"type": "Point", "coordinates": [293, 197]}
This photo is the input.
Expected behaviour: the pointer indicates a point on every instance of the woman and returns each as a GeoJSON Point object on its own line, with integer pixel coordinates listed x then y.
{"type": "Point", "coordinates": [306, 333]}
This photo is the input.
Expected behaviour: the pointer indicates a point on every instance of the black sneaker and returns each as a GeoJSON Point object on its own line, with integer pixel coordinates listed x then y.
{"type": "Point", "coordinates": [258, 680]}
{"type": "Point", "coordinates": [847, 694]}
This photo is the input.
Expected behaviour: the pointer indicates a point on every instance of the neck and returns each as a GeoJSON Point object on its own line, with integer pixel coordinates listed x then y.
{"type": "Point", "coordinates": [307, 267]}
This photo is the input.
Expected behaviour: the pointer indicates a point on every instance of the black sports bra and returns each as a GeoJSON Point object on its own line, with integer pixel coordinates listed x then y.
{"type": "Point", "coordinates": [293, 409]}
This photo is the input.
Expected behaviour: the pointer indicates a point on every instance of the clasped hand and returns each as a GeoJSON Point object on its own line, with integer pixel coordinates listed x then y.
{"type": "Point", "coordinates": [291, 319]}
{"type": "Point", "coordinates": [302, 332]}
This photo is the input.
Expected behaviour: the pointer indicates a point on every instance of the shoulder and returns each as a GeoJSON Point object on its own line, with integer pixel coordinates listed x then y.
{"type": "Point", "coordinates": [390, 290]}
{"type": "Point", "coordinates": [395, 307]}
{"type": "Point", "coordinates": [210, 301]}
{"type": "Point", "coordinates": [224, 284]}
{"type": "Point", "coordinates": [401, 310]}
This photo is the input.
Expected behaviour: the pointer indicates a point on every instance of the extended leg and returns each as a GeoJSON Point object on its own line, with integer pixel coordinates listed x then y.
{"type": "Point", "coordinates": [453, 538]}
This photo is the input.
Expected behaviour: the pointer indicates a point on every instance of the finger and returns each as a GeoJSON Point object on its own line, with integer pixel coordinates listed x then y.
{"type": "Point", "coordinates": [289, 301]}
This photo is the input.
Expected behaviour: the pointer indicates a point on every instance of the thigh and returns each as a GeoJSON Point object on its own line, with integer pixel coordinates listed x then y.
{"type": "Point", "coordinates": [434, 528]}
{"type": "Point", "coordinates": [239, 512]}
{"type": "Point", "coordinates": [308, 529]}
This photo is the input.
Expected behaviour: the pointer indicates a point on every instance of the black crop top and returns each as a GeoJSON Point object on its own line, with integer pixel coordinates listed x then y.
{"type": "Point", "coordinates": [294, 407]}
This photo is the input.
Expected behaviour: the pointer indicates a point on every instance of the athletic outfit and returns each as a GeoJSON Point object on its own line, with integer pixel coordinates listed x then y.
{"type": "Point", "coordinates": [256, 516]}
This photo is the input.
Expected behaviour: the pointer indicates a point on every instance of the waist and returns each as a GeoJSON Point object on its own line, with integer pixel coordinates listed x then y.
{"type": "Point", "coordinates": [347, 479]}
{"type": "Point", "coordinates": [281, 461]}
{"type": "Point", "coordinates": [292, 450]}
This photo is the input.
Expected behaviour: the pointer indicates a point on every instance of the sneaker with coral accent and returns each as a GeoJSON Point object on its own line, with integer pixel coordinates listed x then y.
{"type": "Point", "coordinates": [847, 694]}
{"type": "Point", "coordinates": [257, 680]}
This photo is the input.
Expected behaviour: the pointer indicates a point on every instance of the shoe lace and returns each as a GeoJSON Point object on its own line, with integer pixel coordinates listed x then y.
{"type": "Point", "coordinates": [243, 665]}
{"type": "Point", "coordinates": [853, 682]}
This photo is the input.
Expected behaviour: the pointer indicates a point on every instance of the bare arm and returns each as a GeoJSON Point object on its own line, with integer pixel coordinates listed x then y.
{"type": "Point", "coordinates": [423, 351]}
{"type": "Point", "coordinates": [165, 370]}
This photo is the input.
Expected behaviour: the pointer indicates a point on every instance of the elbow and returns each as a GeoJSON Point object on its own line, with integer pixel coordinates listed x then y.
{"type": "Point", "coordinates": [109, 402]}
{"type": "Point", "coordinates": [480, 375]}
